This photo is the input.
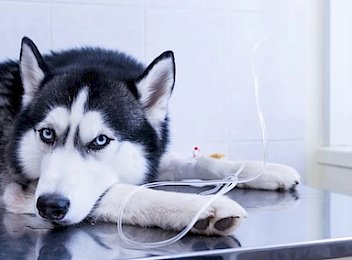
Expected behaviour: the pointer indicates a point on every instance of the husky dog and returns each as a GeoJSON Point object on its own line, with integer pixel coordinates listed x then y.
{"type": "Point", "coordinates": [81, 128]}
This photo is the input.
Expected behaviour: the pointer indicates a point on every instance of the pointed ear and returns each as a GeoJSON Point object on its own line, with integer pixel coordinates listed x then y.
{"type": "Point", "coordinates": [33, 69]}
{"type": "Point", "coordinates": [155, 86]}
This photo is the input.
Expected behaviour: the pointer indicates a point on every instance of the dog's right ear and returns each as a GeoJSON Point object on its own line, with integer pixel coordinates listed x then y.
{"type": "Point", "coordinates": [32, 68]}
{"type": "Point", "coordinates": [155, 86]}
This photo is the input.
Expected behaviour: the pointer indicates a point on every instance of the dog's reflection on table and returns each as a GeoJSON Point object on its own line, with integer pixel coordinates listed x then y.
{"type": "Point", "coordinates": [26, 237]}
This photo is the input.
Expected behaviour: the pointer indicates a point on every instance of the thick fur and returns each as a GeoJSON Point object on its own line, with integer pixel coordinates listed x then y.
{"type": "Point", "coordinates": [82, 127]}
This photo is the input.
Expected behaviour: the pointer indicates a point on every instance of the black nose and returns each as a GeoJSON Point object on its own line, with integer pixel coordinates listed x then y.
{"type": "Point", "coordinates": [52, 206]}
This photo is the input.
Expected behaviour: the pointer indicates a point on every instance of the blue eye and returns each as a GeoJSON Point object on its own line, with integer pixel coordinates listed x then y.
{"type": "Point", "coordinates": [47, 135]}
{"type": "Point", "coordinates": [99, 142]}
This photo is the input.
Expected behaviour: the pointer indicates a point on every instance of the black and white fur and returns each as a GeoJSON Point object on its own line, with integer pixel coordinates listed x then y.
{"type": "Point", "coordinates": [81, 127]}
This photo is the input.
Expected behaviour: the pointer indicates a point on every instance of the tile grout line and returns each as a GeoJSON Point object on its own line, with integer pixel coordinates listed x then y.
{"type": "Point", "coordinates": [51, 24]}
{"type": "Point", "coordinates": [143, 32]}
{"type": "Point", "coordinates": [229, 70]}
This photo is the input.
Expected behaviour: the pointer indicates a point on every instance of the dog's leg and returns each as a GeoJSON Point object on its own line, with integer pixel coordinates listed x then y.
{"type": "Point", "coordinates": [273, 177]}
{"type": "Point", "coordinates": [17, 200]}
{"type": "Point", "coordinates": [169, 210]}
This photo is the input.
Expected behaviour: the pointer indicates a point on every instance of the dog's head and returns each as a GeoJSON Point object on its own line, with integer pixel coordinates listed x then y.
{"type": "Point", "coordinates": [84, 127]}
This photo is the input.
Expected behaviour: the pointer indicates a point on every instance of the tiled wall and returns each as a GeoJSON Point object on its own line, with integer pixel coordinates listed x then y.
{"type": "Point", "coordinates": [213, 103]}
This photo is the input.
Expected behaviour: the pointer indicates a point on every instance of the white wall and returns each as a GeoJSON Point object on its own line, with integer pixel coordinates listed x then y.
{"type": "Point", "coordinates": [213, 102]}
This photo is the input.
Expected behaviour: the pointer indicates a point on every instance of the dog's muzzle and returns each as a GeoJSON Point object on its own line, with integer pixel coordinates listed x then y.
{"type": "Point", "coordinates": [52, 206]}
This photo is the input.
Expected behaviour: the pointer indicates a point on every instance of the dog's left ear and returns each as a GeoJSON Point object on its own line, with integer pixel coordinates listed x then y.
{"type": "Point", "coordinates": [155, 86]}
{"type": "Point", "coordinates": [33, 69]}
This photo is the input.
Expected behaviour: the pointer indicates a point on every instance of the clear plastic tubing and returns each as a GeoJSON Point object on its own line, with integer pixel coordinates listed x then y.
{"type": "Point", "coordinates": [222, 186]}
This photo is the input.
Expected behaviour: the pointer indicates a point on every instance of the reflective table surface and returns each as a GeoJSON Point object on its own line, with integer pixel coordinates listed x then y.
{"type": "Point", "coordinates": [307, 224]}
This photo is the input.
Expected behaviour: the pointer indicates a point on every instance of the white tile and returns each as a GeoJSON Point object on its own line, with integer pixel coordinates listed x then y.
{"type": "Point", "coordinates": [198, 4]}
{"type": "Point", "coordinates": [280, 67]}
{"type": "Point", "coordinates": [268, 5]}
{"type": "Point", "coordinates": [285, 152]}
{"type": "Point", "coordinates": [199, 106]}
{"type": "Point", "coordinates": [206, 148]}
{"type": "Point", "coordinates": [24, 1]}
{"type": "Point", "coordinates": [102, 2]}
{"type": "Point", "coordinates": [23, 19]}
{"type": "Point", "coordinates": [114, 27]}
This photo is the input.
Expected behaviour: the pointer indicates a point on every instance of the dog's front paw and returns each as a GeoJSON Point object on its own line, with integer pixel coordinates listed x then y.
{"type": "Point", "coordinates": [221, 218]}
{"type": "Point", "coordinates": [274, 177]}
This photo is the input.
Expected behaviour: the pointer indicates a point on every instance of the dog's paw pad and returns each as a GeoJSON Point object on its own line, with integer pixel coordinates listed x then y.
{"type": "Point", "coordinates": [221, 218]}
{"type": "Point", "coordinates": [216, 226]}
{"type": "Point", "coordinates": [202, 224]}
{"type": "Point", "coordinates": [224, 223]}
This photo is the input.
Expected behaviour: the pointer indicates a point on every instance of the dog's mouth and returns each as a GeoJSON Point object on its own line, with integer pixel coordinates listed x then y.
{"type": "Point", "coordinates": [60, 223]}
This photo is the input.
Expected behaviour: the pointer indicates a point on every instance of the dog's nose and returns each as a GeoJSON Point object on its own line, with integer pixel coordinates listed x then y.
{"type": "Point", "coordinates": [52, 206]}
